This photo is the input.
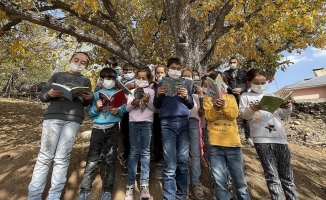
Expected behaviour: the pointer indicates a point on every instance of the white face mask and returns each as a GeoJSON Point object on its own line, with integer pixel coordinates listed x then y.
{"type": "Point", "coordinates": [187, 78]}
{"type": "Point", "coordinates": [108, 84]}
{"type": "Point", "coordinates": [205, 90]}
{"type": "Point", "coordinates": [76, 68]}
{"type": "Point", "coordinates": [129, 76]}
{"type": "Point", "coordinates": [174, 74]}
{"type": "Point", "coordinates": [233, 66]}
{"type": "Point", "coordinates": [258, 88]}
{"type": "Point", "coordinates": [141, 83]}
{"type": "Point", "coordinates": [196, 77]}
{"type": "Point", "coordinates": [159, 79]}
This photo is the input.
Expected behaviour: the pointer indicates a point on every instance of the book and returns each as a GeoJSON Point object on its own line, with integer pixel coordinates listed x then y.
{"type": "Point", "coordinates": [69, 92]}
{"type": "Point", "coordinates": [197, 83]}
{"type": "Point", "coordinates": [172, 85]}
{"type": "Point", "coordinates": [121, 86]}
{"type": "Point", "coordinates": [272, 103]}
{"type": "Point", "coordinates": [138, 93]}
{"type": "Point", "coordinates": [216, 88]}
{"type": "Point", "coordinates": [114, 101]}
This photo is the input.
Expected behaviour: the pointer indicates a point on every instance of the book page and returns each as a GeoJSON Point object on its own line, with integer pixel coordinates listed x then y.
{"type": "Point", "coordinates": [270, 103]}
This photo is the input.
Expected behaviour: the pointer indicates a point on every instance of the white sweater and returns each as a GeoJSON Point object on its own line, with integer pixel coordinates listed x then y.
{"type": "Point", "coordinates": [265, 127]}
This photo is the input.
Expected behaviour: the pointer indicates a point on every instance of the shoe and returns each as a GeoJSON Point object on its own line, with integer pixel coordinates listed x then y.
{"type": "Point", "coordinates": [121, 159]}
{"type": "Point", "coordinates": [144, 192]}
{"type": "Point", "coordinates": [250, 142]}
{"type": "Point", "coordinates": [129, 193]}
{"type": "Point", "coordinates": [124, 171]}
{"type": "Point", "coordinates": [198, 191]}
{"type": "Point", "coordinates": [159, 171]}
{"type": "Point", "coordinates": [106, 196]}
{"type": "Point", "coordinates": [203, 161]}
{"type": "Point", "coordinates": [83, 196]}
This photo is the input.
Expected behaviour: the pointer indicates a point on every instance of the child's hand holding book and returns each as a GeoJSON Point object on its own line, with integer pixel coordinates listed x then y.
{"type": "Point", "coordinates": [255, 107]}
{"type": "Point", "coordinates": [183, 92]}
{"type": "Point", "coordinates": [55, 93]}
{"type": "Point", "coordinates": [86, 95]}
{"type": "Point", "coordinates": [218, 103]}
{"type": "Point", "coordinates": [161, 90]}
{"type": "Point", "coordinates": [286, 105]}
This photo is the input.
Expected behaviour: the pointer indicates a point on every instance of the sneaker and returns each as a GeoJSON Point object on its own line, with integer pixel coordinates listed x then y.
{"type": "Point", "coordinates": [198, 191]}
{"type": "Point", "coordinates": [144, 192]}
{"type": "Point", "coordinates": [83, 196]}
{"type": "Point", "coordinates": [124, 171]}
{"type": "Point", "coordinates": [203, 161]}
{"type": "Point", "coordinates": [129, 193]}
{"type": "Point", "coordinates": [106, 196]}
{"type": "Point", "coordinates": [121, 159]}
{"type": "Point", "coordinates": [159, 171]}
{"type": "Point", "coordinates": [250, 142]}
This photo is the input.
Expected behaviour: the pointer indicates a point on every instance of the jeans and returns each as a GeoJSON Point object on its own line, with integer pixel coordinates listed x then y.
{"type": "Point", "coordinates": [140, 140]}
{"type": "Point", "coordinates": [57, 139]}
{"type": "Point", "coordinates": [175, 138]}
{"type": "Point", "coordinates": [194, 148]}
{"type": "Point", "coordinates": [223, 159]}
{"type": "Point", "coordinates": [246, 128]}
{"type": "Point", "coordinates": [157, 138]}
{"type": "Point", "coordinates": [276, 162]}
{"type": "Point", "coordinates": [125, 132]}
{"type": "Point", "coordinates": [107, 138]}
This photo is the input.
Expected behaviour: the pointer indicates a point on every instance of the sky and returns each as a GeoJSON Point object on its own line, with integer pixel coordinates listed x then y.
{"type": "Point", "coordinates": [304, 63]}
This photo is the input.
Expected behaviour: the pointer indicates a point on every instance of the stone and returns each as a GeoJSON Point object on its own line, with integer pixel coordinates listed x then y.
{"type": "Point", "coordinates": [86, 135]}
{"type": "Point", "coordinates": [296, 123]}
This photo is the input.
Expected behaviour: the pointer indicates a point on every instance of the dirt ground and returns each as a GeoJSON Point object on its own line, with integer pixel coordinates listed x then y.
{"type": "Point", "coordinates": [20, 133]}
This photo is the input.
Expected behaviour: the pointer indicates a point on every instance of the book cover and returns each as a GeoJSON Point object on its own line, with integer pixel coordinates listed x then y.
{"type": "Point", "coordinates": [69, 92]}
{"type": "Point", "coordinates": [121, 86]}
{"type": "Point", "coordinates": [216, 88]}
{"type": "Point", "coordinates": [272, 103]}
{"type": "Point", "coordinates": [197, 83]}
{"type": "Point", "coordinates": [138, 93]}
{"type": "Point", "coordinates": [114, 101]}
{"type": "Point", "coordinates": [172, 85]}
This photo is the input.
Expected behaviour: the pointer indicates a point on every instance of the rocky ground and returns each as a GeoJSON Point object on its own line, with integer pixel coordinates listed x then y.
{"type": "Point", "coordinates": [20, 132]}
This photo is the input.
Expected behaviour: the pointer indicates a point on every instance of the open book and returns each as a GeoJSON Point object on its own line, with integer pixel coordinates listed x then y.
{"type": "Point", "coordinates": [172, 85]}
{"type": "Point", "coordinates": [272, 103]}
{"type": "Point", "coordinates": [121, 86]}
{"type": "Point", "coordinates": [69, 92]}
{"type": "Point", "coordinates": [114, 101]}
{"type": "Point", "coordinates": [197, 83]}
{"type": "Point", "coordinates": [138, 93]}
{"type": "Point", "coordinates": [216, 88]}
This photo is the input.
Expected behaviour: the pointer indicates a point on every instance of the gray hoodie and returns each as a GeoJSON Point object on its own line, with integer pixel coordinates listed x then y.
{"type": "Point", "coordinates": [62, 108]}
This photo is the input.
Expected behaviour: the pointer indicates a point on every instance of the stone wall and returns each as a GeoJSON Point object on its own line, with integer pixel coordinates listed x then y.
{"type": "Point", "coordinates": [317, 110]}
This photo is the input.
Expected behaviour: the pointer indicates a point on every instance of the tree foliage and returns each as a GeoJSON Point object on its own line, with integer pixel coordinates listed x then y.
{"type": "Point", "coordinates": [202, 33]}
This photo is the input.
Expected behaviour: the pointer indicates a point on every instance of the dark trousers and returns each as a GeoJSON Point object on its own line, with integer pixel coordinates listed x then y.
{"type": "Point", "coordinates": [99, 138]}
{"type": "Point", "coordinates": [157, 138]}
{"type": "Point", "coordinates": [125, 132]}
{"type": "Point", "coordinates": [246, 128]}
{"type": "Point", "coordinates": [276, 162]}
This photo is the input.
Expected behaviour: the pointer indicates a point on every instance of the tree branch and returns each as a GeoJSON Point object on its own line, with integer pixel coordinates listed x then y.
{"type": "Point", "coordinates": [7, 27]}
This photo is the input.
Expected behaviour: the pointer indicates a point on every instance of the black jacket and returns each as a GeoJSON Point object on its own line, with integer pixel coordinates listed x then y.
{"type": "Point", "coordinates": [239, 81]}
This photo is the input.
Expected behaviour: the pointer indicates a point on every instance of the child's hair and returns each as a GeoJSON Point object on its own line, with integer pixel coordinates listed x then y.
{"type": "Point", "coordinates": [173, 61]}
{"type": "Point", "coordinates": [185, 70]}
{"type": "Point", "coordinates": [112, 61]}
{"type": "Point", "coordinates": [164, 68]}
{"type": "Point", "coordinates": [252, 73]}
{"type": "Point", "coordinates": [80, 52]}
{"type": "Point", "coordinates": [148, 72]}
{"type": "Point", "coordinates": [107, 73]}
{"type": "Point", "coordinates": [128, 66]}
{"type": "Point", "coordinates": [214, 75]}
{"type": "Point", "coordinates": [194, 70]}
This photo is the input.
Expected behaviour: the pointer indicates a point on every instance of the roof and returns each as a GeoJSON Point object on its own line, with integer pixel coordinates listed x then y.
{"type": "Point", "coordinates": [314, 82]}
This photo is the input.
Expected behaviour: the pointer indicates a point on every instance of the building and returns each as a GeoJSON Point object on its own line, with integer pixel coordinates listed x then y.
{"type": "Point", "coordinates": [312, 88]}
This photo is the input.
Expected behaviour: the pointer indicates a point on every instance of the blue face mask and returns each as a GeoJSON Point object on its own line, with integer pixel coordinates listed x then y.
{"type": "Point", "coordinates": [118, 71]}
{"type": "Point", "coordinates": [129, 76]}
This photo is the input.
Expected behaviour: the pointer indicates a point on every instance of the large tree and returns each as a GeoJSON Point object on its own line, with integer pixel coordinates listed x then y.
{"type": "Point", "coordinates": [201, 33]}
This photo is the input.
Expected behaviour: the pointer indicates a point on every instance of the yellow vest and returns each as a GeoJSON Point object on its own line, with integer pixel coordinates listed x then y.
{"type": "Point", "coordinates": [222, 124]}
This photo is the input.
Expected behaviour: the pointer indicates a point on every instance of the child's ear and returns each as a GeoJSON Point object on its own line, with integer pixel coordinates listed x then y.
{"type": "Point", "coordinates": [101, 80]}
{"type": "Point", "coordinates": [248, 84]}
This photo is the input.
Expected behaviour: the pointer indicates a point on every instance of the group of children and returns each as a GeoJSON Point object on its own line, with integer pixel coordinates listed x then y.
{"type": "Point", "coordinates": [175, 122]}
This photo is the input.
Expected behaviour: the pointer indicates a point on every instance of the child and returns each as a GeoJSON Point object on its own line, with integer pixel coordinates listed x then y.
{"type": "Point", "coordinates": [160, 71]}
{"type": "Point", "coordinates": [194, 140]}
{"type": "Point", "coordinates": [61, 124]}
{"type": "Point", "coordinates": [111, 62]}
{"type": "Point", "coordinates": [128, 74]}
{"type": "Point", "coordinates": [269, 136]}
{"type": "Point", "coordinates": [224, 150]}
{"type": "Point", "coordinates": [140, 127]}
{"type": "Point", "coordinates": [105, 133]}
{"type": "Point", "coordinates": [174, 113]}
